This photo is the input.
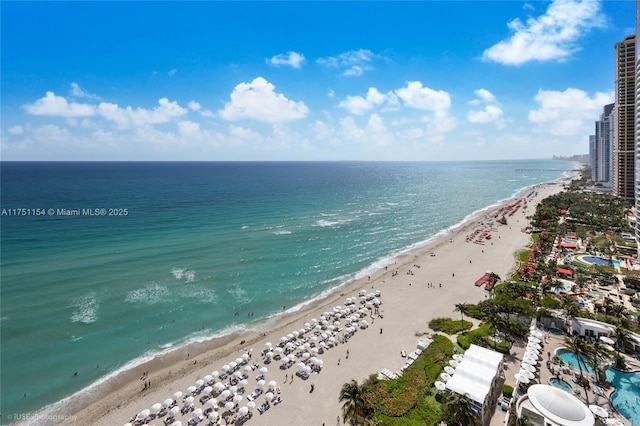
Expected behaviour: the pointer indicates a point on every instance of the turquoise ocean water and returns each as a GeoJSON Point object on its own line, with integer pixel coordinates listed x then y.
{"type": "Point", "coordinates": [180, 248]}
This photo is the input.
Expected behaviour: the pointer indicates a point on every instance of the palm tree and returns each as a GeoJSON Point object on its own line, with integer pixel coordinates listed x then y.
{"type": "Point", "coordinates": [458, 411]}
{"type": "Point", "coordinates": [353, 403]}
{"type": "Point", "coordinates": [622, 336]}
{"type": "Point", "coordinates": [580, 349]}
{"type": "Point", "coordinates": [461, 307]}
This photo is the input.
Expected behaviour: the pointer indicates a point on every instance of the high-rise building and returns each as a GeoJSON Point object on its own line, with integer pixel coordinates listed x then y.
{"type": "Point", "coordinates": [601, 148]}
{"type": "Point", "coordinates": [624, 142]}
{"type": "Point", "coordinates": [637, 129]}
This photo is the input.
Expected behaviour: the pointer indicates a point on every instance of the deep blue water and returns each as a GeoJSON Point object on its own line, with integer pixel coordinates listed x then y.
{"type": "Point", "coordinates": [182, 247]}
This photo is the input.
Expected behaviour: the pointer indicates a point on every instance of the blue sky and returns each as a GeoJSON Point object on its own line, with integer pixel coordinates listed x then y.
{"type": "Point", "coordinates": [454, 80]}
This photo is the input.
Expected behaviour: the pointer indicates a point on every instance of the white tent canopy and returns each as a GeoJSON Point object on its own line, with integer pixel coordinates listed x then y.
{"type": "Point", "coordinates": [475, 373]}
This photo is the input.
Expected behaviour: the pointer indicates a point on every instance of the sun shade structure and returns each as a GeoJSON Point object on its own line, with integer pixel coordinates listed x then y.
{"type": "Point", "coordinates": [555, 406]}
{"type": "Point", "coordinates": [476, 374]}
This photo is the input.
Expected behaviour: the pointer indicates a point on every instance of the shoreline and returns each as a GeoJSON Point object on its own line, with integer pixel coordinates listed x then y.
{"type": "Point", "coordinates": [98, 404]}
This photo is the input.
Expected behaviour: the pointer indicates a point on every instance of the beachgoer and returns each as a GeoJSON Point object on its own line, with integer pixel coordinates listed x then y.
{"type": "Point", "coordinates": [75, 374]}
{"type": "Point", "coordinates": [380, 331]}
{"type": "Point", "coordinates": [338, 361]}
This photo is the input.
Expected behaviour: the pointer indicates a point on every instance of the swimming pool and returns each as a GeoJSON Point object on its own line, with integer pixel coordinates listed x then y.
{"type": "Point", "coordinates": [556, 331]}
{"type": "Point", "coordinates": [627, 394]}
{"type": "Point", "coordinates": [594, 260]}
{"type": "Point", "coordinates": [560, 384]}
{"type": "Point", "coordinates": [626, 397]}
{"type": "Point", "coordinates": [569, 358]}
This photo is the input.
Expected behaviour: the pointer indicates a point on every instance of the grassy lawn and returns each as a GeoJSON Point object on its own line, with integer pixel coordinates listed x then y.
{"type": "Point", "coordinates": [410, 399]}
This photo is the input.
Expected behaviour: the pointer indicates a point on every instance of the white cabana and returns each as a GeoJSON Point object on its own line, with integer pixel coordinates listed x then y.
{"type": "Point", "coordinates": [475, 373]}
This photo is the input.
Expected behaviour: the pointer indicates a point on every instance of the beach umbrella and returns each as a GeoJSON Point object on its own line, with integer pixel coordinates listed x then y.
{"type": "Point", "coordinates": [213, 403]}
{"type": "Point", "coordinates": [232, 365]}
{"type": "Point", "coordinates": [143, 414]}
{"type": "Point", "coordinates": [128, 424]}
{"type": "Point", "coordinates": [155, 408]}
{"type": "Point", "coordinates": [215, 374]}
{"type": "Point", "coordinates": [458, 357]}
{"type": "Point", "coordinates": [453, 363]}
{"type": "Point", "coordinates": [244, 382]}
{"type": "Point", "coordinates": [527, 374]}
{"type": "Point", "coordinates": [213, 416]}
{"type": "Point", "coordinates": [237, 375]}
{"type": "Point", "coordinates": [207, 378]}
{"type": "Point", "coordinates": [272, 384]}
{"type": "Point", "coordinates": [191, 389]}
{"type": "Point", "coordinates": [225, 368]}
{"type": "Point", "coordinates": [199, 383]}
{"type": "Point", "coordinates": [248, 369]}
{"type": "Point", "coordinates": [233, 389]}
{"type": "Point", "coordinates": [239, 360]}
{"type": "Point", "coordinates": [245, 357]}
{"type": "Point", "coordinates": [237, 399]}
{"type": "Point", "coordinates": [177, 395]}
{"type": "Point", "coordinates": [251, 405]}
{"type": "Point", "coordinates": [607, 340]}
{"type": "Point", "coordinates": [243, 411]}
{"type": "Point", "coordinates": [440, 385]}
{"type": "Point", "coordinates": [197, 413]}
{"type": "Point", "coordinates": [613, 422]}
{"type": "Point", "coordinates": [263, 370]}
{"type": "Point", "coordinates": [176, 423]}
{"type": "Point", "coordinates": [174, 411]}
{"type": "Point", "coordinates": [598, 411]}
{"type": "Point", "coordinates": [229, 406]}
{"type": "Point", "coordinates": [226, 394]}
{"type": "Point", "coordinates": [449, 370]}
{"type": "Point", "coordinates": [521, 379]}
{"type": "Point", "coordinates": [167, 403]}
{"type": "Point", "coordinates": [528, 367]}
{"type": "Point", "coordinates": [188, 400]}
{"type": "Point", "coordinates": [218, 387]}
{"type": "Point", "coordinates": [268, 396]}
{"type": "Point", "coordinates": [445, 377]}
{"type": "Point", "coordinates": [207, 390]}
{"type": "Point", "coordinates": [260, 384]}
{"type": "Point", "coordinates": [268, 345]}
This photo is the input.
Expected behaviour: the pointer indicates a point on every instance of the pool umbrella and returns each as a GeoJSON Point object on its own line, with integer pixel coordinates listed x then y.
{"type": "Point", "coordinates": [449, 370]}
{"type": "Point", "coordinates": [521, 379]}
{"type": "Point", "coordinates": [527, 374]}
{"type": "Point", "coordinates": [536, 333]}
{"type": "Point", "coordinates": [440, 385]}
{"type": "Point", "coordinates": [445, 377]}
{"type": "Point", "coordinates": [607, 340]}
{"type": "Point", "coordinates": [528, 367]}
{"type": "Point", "coordinates": [598, 411]}
{"type": "Point", "coordinates": [533, 339]}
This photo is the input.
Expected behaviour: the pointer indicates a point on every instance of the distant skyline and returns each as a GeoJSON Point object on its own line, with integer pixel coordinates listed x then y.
{"type": "Point", "coordinates": [216, 81]}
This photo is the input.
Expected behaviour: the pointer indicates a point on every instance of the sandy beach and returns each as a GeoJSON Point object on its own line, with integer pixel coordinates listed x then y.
{"type": "Point", "coordinates": [414, 290]}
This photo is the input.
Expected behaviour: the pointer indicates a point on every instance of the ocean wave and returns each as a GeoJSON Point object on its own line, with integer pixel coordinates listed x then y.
{"type": "Point", "coordinates": [244, 227]}
{"type": "Point", "coordinates": [283, 232]}
{"type": "Point", "coordinates": [86, 309]}
{"type": "Point", "coordinates": [180, 273]}
{"type": "Point", "coordinates": [150, 294]}
{"type": "Point", "coordinates": [202, 294]}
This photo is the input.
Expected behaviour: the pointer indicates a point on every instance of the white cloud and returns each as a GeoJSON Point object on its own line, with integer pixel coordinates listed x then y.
{"type": "Point", "coordinates": [568, 113]}
{"type": "Point", "coordinates": [172, 72]}
{"type": "Point", "coordinates": [358, 104]}
{"type": "Point", "coordinates": [77, 92]}
{"type": "Point", "coordinates": [353, 63]}
{"type": "Point", "coordinates": [552, 36]}
{"type": "Point", "coordinates": [292, 59]}
{"type": "Point", "coordinates": [258, 101]}
{"type": "Point", "coordinates": [483, 95]}
{"type": "Point", "coordinates": [414, 95]}
{"type": "Point", "coordinates": [492, 113]}
{"type": "Point", "coordinates": [16, 130]}
{"type": "Point", "coordinates": [129, 117]}
{"type": "Point", "coordinates": [195, 106]}
{"type": "Point", "coordinates": [58, 106]}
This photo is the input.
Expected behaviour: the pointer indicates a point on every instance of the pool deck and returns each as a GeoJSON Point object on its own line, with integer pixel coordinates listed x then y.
{"type": "Point", "coordinates": [550, 343]}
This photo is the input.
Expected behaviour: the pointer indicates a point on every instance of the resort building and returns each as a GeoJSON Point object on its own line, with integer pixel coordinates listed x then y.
{"type": "Point", "coordinates": [637, 129]}
{"type": "Point", "coordinates": [478, 376]}
{"type": "Point", "coordinates": [592, 329]}
{"type": "Point", "coordinates": [601, 148]}
{"type": "Point", "coordinates": [545, 405]}
{"type": "Point", "coordinates": [624, 119]}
